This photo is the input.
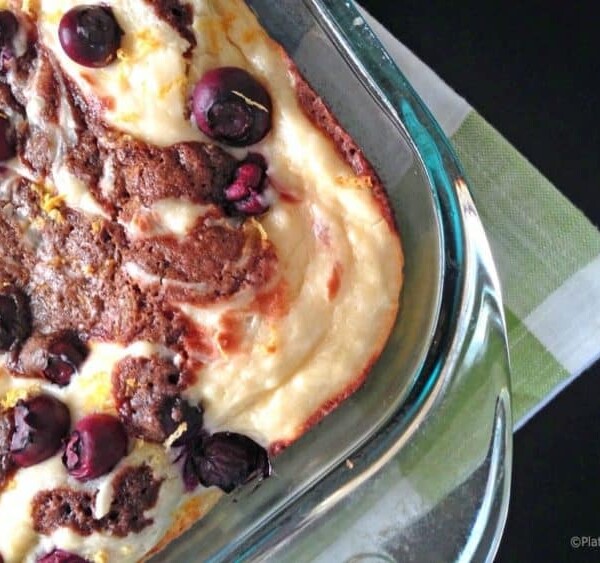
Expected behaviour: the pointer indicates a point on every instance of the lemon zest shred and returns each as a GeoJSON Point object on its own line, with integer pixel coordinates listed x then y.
{"type": "Point", "coordinates": [250, 101]}
{"type": "Point", "coordinates": [13, 396]}
{"type": "Point", "coordinates": [145, 42]}
{"type": "Point", "coordinates": [31, 7]}
{"type": "Point", "coordinates": [165, 89]}
{"type": "Point", "coordinates": [56, 216]}
{"type": "Point", "coordinates": [130, 385]}
{"type": "Point", "coordinates": [51, 202]}
{"type": "Point", "coordinates": [96, 227]}
{"type": "Point", "coordinates": [179, 432]}
{"type": "Point", "coordinates": [122, 55]}
{"type": "Point", "coordinates": [259, 227]}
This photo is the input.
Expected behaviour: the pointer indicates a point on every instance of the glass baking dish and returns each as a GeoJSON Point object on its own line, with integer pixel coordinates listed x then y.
{"type": "Point", "coordinates": [416, 465]}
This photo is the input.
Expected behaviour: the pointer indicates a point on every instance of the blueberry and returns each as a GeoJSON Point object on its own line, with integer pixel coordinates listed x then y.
{"type": "Point", "coordinates": [9, 25]}
{"type": "Point", "coordinates": [248, 179]}
{"type": "Point", "coordinates": [41, 423]}
{"type": "Point", "coordinates": [15, 317]}
{"type": "Point", "coordinates": [231, 106]}
{"type": "Point", "coordinates": [225, 460]}
{"type": "Point", "coordinates": [245, 194]}
{"type": "Point", "coordinates": [90, 35]}
{"type": "Point", "coordinates": [96, 445]}
{"type": "Point", "coordinates": [60, 556]}
{"type": "Point", "coordinates": [7, 139]}
{"type": "Point", "coordinates": [65, 355]}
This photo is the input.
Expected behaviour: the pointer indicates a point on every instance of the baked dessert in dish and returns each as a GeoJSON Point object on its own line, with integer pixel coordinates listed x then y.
{"type": "Point", "coordinates": [197, 264]}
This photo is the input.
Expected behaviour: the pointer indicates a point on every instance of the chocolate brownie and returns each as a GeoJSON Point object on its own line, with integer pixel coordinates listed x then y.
{"type": "Point", "coordinates": [134, 491]}
{"type": "Point", "coordinates": [63, 507]}
{"type": "Point", "coordinates": [148, 395]}
{"type": "Point", "coordinates": [197, 264]}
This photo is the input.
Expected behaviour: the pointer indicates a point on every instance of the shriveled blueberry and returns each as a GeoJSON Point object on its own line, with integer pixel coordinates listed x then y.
{"type": "Point", "coordinates": [56, 357]}
{"type": "Point", "coordinates": [61, 556]}
{"type": "Point", "coordinates": [189, 470]}
{"type": "Point", "coordinates": [7, 139]}
{"type": "Point", "coordinates": [41, 423]}
{"type": "Point", "coordinates": [97, 444]}
{"type": "Point", "coordinates": [226, 460]}
{"type": "Point", "coordinates": [248, 178]}
{"type": "Point", "coordinates": [15, 317]}
{"type": "Point", "coordinates": [90, 35]}
{"type": "Point", "coordinates": [245, 194]}
{"type": "Point", "coordinates": [231, 106]}
{"type": "Point", "coordinates": [66, 353]}
{"type": "Point", "coordinates": [9, 25]}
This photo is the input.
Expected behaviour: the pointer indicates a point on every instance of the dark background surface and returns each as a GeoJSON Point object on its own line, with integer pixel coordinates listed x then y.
{"type": "Point", "coordinates": [531, 69]}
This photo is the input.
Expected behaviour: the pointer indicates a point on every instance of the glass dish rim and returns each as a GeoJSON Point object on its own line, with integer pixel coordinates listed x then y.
{"type": "Point", "coordinates": [342, 22]}
{"type": "Point", "coordinates": [463, 260]}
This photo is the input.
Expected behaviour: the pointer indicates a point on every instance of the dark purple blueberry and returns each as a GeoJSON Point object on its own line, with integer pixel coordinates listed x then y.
{"type": "Point", "coordinates": [60, 556]}
{"type": "Point", "coordinates": [90, 35]}
{"type": "Point", "coordinates": [41, 424]}
{"type": "Point", "coordinates": [65, 355]}
{"type": "Point", "coordinates": [225, 460]}
{"type": "Point", "coordinates": [97, 444]}
{"type": "Point", "coordinates": [7, 139]}
{"type": "Point", "coordinates": [245, 194]}
{"type": "Point", "coordinates": [248, 178]}
{"type": "Point", "coordinates": [9, 25]}
{"type": "Point", "coordinates": [231, 106]}
{"type": "Point", "coordinates": [15, 317]}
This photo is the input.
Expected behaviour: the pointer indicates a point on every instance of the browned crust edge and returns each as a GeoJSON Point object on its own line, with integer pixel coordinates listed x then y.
{"type": "Point", "coordinates": [320, 115]}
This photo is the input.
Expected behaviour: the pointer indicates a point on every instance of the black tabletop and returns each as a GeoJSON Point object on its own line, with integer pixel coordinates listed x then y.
{"type": "Point", "coordinates": [529, 67]}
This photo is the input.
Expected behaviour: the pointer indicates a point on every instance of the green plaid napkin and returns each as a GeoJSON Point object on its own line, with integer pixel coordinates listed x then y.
{"type": "Point", "coordinates": [547, 252]}
{"type": "Point", "coordinates": [548, 257]}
